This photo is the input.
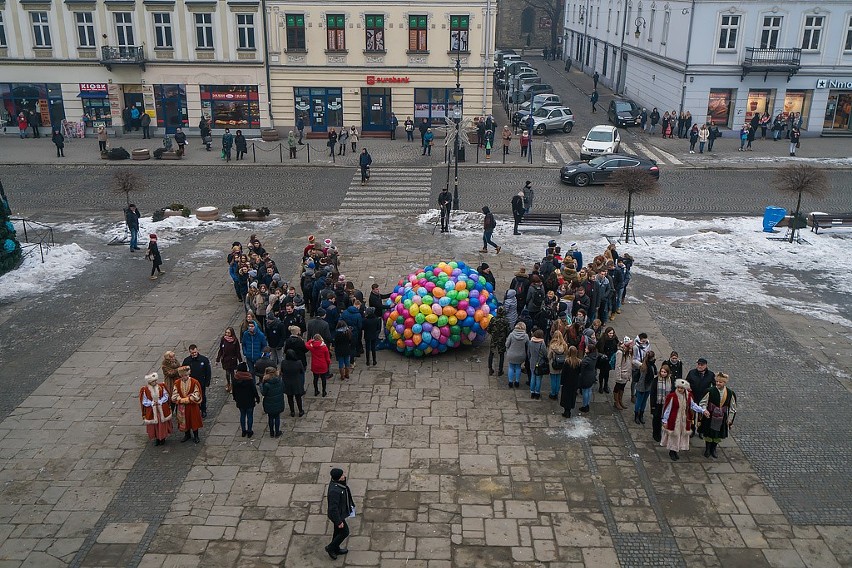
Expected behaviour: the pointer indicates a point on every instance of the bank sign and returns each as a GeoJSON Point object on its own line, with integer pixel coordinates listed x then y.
{"type": "Point", "coordinates": [833, 84]}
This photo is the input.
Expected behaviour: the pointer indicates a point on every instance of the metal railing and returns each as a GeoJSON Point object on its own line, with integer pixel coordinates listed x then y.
{"type": "Point", "coordinates": [123, 54]}
{"type": "Point", "coordinates": [763, 57]}
{"type": "Point", "coordinates": [41, 234]}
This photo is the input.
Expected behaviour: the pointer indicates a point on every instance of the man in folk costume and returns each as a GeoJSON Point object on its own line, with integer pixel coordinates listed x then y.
{"type": "Point", "coordinates": [187, 396]}
{"type": "Point", "coordinates": [677, 419]}
{"type": "Point", "coordinates": [720, 404]}
{"type": "Point", "coordinates": [156, 411]}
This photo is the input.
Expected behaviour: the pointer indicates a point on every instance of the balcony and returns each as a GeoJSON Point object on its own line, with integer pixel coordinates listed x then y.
{"type": "Point", "coordinates": [787, 61]}
{"type": "Point", "coordinates": [122, 55]}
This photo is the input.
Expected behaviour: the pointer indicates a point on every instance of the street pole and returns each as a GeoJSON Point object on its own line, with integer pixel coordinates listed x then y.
{"type": "Point", "coordinates": [457, 98]}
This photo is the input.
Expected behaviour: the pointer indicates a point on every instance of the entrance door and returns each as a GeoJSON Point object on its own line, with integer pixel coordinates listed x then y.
{"type": "Point", "coordinates": [171, 107]}
{"type": "Point", "coordinates": [375, 109]}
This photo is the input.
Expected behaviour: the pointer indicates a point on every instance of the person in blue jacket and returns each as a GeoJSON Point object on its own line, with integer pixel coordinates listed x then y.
{"type": "Point", "coordinates": [254, 342]}
{"type": "Point", "coordinates": [353, 318]}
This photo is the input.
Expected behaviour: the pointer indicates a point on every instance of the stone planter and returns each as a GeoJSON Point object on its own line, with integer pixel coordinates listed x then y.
{"type": "Point", "coordinates": [207, 213]}
{"type": "Point", "coordinates": [170, 213]}
{"type": "Point", "coordinates": [140, 154]}
{"type": "Point", "coordinates": [269, 135]}
{"type": "Point", "coordinates": [251, 215]}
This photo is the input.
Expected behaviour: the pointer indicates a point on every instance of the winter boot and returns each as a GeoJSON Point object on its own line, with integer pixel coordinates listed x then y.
{"type": "Point", "coordinates": [187, 436]}
{"type": "Point", "coordinates": [673, 455]}
{"type": "Point", "coordinates": [195, 437]}
{"type": "Point", "coordinates": [642, 417]}
{"type": "Point", "coordinates": [706, 449]}
{"type": "Point", "coordinates": [635, 417]}
{"type": "Point", "coordinates": [713, 446]}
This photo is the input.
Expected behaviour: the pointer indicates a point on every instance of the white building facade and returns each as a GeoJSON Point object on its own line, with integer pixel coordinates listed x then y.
{"type": "Point", "coordinates": [86, 61]}
{"type": "Point", "coordinates": [722, 61]}
{"type": "Point", "coordinates": [357, 63]}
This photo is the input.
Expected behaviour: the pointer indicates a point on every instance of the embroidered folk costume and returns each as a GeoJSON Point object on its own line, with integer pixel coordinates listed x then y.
{"type": "Point", "coordinates": [721, 404]}
{"type": "Point", "coordinates": [677, 419]}
{"type": "Point", "coordinates": [156, 411]}
{"type": "Point", "coordinates": [187, 396]}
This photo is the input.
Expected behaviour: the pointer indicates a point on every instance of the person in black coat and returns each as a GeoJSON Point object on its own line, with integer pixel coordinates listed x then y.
{"type": "Point", "coordinates": [153, 255]}
{"type": "Point", "coordinates": [246, 397]}
{"type": "Point", "coordinates": [240, 144]}
{"type": "Point", "coordinates": [199, 369]}
{"type": "Point", "coordinates": [180, 139]}
{"type": "Point", "coordinates": [59, 141]}
{"type": "Point", "coordinates": [700, 380]}
{"type": "Point", "coordinates": [376, 299]}
{"type": "Point", "coordinates": [372, 327]}
{"type": "Point", "coordinates": [485, 271]}
{"type": "Point", "coordinates": [343, 348]}
{"type": "Point", "coordinates": [272, 390]}
{"type": "Point", "coordinates": [340, 507]}
{"type": "Point", "coordinates": [293, 375]}
{"type": "Point", "coordinates": [676, 365]}
{"type": "Point", "coordinates": [296, 344]}
{"type": "Point", "coordinates": [570, 381]}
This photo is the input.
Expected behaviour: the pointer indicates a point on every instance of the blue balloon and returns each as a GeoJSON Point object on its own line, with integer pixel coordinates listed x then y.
{"type": "Point", "coordinates": [9, 245]}
{"type": "Point", "coordinates": [416, 328]}
{"type": "Point", "coordinates": [444, 301]}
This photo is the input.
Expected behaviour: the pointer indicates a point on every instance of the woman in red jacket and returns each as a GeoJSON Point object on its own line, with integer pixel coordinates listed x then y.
{"type": "Point", "coordinates": [320, 362]}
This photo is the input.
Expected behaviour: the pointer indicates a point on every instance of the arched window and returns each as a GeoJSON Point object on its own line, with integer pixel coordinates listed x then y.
{"type": "Point", "coordinates": [528, 21]}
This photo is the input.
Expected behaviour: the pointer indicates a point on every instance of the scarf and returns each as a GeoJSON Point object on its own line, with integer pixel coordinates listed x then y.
{"type": "Point", "coordinates": [229, 338]}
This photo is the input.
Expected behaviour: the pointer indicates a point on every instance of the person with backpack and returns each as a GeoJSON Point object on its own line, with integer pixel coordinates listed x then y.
{"type": "Point", "coordinates": [557, 351]}
{"type": "Point", "coordinates": [343, 348]}
{"type": "Point", "coordinates": [498, 329]}
{"type": "Point", "coordinates": [540, 363]}
{"type": "Point", "coordinates": [535, 297]}
{"type": "Point", "coordinates": [488, 226]}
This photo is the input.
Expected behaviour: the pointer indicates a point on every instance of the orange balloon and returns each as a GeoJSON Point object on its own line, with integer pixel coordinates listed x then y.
{"type": "Point", "coordinates": [438, 292]}
{"type": "Point", "coordinates": [477, 315]}
{"type": "Point", "coordinates": [400, 343]}
{"type": "Point", "coordinates": [449, 311]}
{"type": "Point", "coordinates": [417, 339]}
{"type": "Point", "coordinates": [485, 321]}
{"type": "Point", "coordinates": [461, 314]}
{"type": "Point", "coordinates": [460, 286]}
{"type": "Point", "coordinates": [407, 333]}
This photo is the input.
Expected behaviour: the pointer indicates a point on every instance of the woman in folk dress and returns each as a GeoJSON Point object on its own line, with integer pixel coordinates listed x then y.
{"type": "Point", "coordinates": [187, 396]}
{"type": "Point", "coordinates": [156, 411]}
{"type": "Point", "coordinates": [720, 403]}
{"type": "Point", "coordinates": [677, 419]}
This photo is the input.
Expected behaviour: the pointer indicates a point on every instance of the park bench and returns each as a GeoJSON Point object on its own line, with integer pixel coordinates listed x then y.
{"type": "Point", "coordinates": [543, 219]}
{"type": "Point", "coordinates": [828, 221]}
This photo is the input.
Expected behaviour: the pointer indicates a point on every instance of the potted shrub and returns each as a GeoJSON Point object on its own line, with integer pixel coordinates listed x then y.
{"type": "Point", "coordinates": [249, 213]}
{"type": "Point", "coordinates": [173, 210]}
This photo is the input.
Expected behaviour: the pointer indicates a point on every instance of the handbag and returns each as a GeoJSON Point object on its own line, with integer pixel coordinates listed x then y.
{"type": "Point", "coordinates": [542, 367]}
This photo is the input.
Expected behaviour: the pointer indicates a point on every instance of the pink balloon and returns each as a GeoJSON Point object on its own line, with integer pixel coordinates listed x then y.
{"type": "Point", "coordinates": [463, 304]}
{"type": "Point", "coordinates": [436, 333]}
{"type": "Point", "coordinates": [445, 331]}
{"type": "Point", "coordinates": [443, 339]}
{"type": "Point", "coordinates": [409, 343]}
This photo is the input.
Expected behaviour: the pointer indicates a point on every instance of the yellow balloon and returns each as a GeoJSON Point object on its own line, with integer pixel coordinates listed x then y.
{"type": "Point", "coordinates": [414, 310]}
{"type": "Point", "coordinates": [431, 318]}
{"type": "Point", "coordinates": [452, 320]}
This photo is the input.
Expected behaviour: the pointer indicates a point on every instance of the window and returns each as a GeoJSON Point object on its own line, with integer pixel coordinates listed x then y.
{"type": "Point", "coordinates": [375, 32]}
{"type": "Point", "coordinates": [846, 47]}
{"type": "Point", "coordinates": [770, 32]}
{"type": "Point", "coordinates": [245, 31]}
{"type": "Point", "coordinates": [295, 31]}
{"type": "Point", "coordinates": [2, 31]}
{"type": "Point", "coordinates": [85, 29]}
{"type": "Point", "coordinates": [163, 30]}
{"type": "Point", "coordinates": [231, 106]}
{"type": "Point", "coordinates": [617, 20]}
{"type": "Point", "coordinates": [651, 24]}
{"type": "Point", "coordinates": [608, 19]}
{"type": "Point", "coordinates": [41, 29]}
{"type": "Point", "coordinates": [812, 33]}
{"type": "Point", "coordinates": [728, 32]}
{"type": "Point", "coordinates": [667, 16]}
{"type": "Point", "coordinates": [459, 33]}
{"type": "Point", "coordinates": [204, 31]}
{"type": "Point", "coordinates": [336, 24]}
{"type": "Point", "coordinates": [417, 29]}
{"type": "Point", "coordinates": [124, 29]}
{"type": "Point", "coordinates": [435, 105]}
{"type": "Point", "coordinates": [598, 18]}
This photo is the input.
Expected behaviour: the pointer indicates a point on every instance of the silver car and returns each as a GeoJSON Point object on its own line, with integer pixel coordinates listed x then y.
{"type": "Point", "coordinates": [553, 118]}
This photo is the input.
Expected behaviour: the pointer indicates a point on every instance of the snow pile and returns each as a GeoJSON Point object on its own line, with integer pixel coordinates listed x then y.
{"type": "Point", "coordinates": [574, 428]}
{"type": "Point", "coordinates": [34, 277]}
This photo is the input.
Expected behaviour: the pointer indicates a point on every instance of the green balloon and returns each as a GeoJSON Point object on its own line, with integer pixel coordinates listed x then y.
{"type": "Point", "coordinates": [419, 318]}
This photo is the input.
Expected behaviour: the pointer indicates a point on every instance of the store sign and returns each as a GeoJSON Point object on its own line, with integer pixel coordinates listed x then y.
{"type": "Point", "coordinates": [833, 84]}
{"type": "Point", "coordinates": [372, 79]}
{"type": "Point", "coordinates": [93, 87]}
{"type": "Point", "coordinates": [240, 96]}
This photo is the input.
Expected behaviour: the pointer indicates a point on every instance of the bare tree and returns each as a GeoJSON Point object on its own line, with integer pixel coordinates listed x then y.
{"type": "Point", "coordinates": [632, 182]}
{"type": "Point", "coordinates": [553, 9]}
{"type": "Point", "coordinates": [798, 179]}
{"type": "Point", "coordinates": [127, 182]}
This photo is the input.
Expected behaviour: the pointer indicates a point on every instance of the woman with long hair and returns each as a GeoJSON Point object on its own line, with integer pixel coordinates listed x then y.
{"type": "Point", "coordinates": [647, 376]}
{"type": "Point", "coordinates": [659, 391]}
{"type": "Point", "coordinates": [229, 355]}
{"type": "Point", "coordinates": [570, 381]}
{"type": "Point", "coordinates": [623, 372]}
{"type": "Point", "coordinates": [557, 351]}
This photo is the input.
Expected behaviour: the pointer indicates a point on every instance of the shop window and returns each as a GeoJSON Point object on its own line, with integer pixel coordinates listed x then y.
{"type": "Point", "coordinates": [170, 101]}
{"type": "Point", "coordinates": [322, 108]}
{"type": "Point", "coordinates": [245, 31]}
{"type": "Point", "coordinates": [124, 29]}
{"type": "Point", "coordinates": [85, 29]}
{"type": "Point", "coordinates": [771, 32]}
{"type": "Point", "coordinates": [847, 46]}
{"type": "Point", "coordinates": [719, 106]}
{"type": "Point", "coordinates": [96, 108]}
{"type": "Point", "coordinates": [459, 33]}
{"type": "Point", "coordinates": [417, 31]}
{"type": "Point", "coordinates": [41, 29]}
{"type": "Point", "coordinates": [728, 32]}
{"type": "Point", "coordinates": [375, 32]}
{"type": "Point", "coordinates": [759, 101]}
{"type": "Point", "coordinates": [812, 32]}
{"type": "Point", "coordinates": [163, 30]}
{"type": "Point", "coordinates": [295, 31]}
{"type": "Point", "coordinates": [797, 102]}
{"type": "Point", "coordinates": [204, 31]}
{"type": "Point", "coordinates": [231, 106]}
{"type": "Point", "coordinates": [2, 31]}
{"type": "Point", "coordinates": [336, 29]}
{"type": "Point", "coordinates": [435, 105]}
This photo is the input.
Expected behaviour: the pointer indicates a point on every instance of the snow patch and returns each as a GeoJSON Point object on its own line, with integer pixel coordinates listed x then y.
{"type": "Point", "coordinates": [62, 263]}
{"type": "Point", "coordinates": [574, 428]}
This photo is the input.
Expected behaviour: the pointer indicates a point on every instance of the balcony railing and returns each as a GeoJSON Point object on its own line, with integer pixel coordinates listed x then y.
{"type": "Point", "coordinates": [123, 55]}
{"type": "Point", "coordinates": [787, 60]}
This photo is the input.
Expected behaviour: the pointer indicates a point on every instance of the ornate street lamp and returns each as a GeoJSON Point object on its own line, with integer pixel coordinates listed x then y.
{"type": "Point", "coordinates": [640, 23]}
{"type": "Point", "coordinates": [458, 96]}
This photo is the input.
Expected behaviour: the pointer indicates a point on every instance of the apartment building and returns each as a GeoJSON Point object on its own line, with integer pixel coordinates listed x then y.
{"type": "Point", "coordinates": [722, 61]}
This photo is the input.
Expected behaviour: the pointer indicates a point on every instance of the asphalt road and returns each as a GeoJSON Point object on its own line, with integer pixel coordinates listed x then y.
{"type": "Point", "coordinates": [86, 190]}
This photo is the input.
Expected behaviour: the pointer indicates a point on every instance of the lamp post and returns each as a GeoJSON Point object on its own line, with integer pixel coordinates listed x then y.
{"type": "Point", "coordinates": [458, 96]}
{"type": "Point", "coordinates": [640, 25]}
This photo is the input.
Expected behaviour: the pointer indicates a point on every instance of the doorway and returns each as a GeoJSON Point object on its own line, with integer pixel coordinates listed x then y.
{"type": "Point", "coordinates": [171, 107]}
{"type": "Point", "coordinates": [375, 109]}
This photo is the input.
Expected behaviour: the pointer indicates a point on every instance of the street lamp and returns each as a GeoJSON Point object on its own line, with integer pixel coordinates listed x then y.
{"type": "Point", "coordinates": [640, 23]}
{"type": "Point", "coordinates": [458, 96]}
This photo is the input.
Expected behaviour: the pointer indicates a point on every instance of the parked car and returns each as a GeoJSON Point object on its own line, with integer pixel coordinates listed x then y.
{"type": "Point", "coordinates": [531, 90]}
{"type": "Point", "coordinates": [520, 116]}
{"type": "Point", "coordinates": [553, 118]}
{"type": "Point", "coordinates": [540, 100]}
{"type": "Point", "coordinates": [508, 78]}
{"type": "Point", "coordinates": [624, 112]}
{"type": "Point", "coordinates": [513, 65]}
{"type": "Point", "coordinates": [601, 139]}
{"type": "Point", "coordinates": [499, 52]}
{"type": "Point", "coordinates": [599, 169]}
{"type": "Point", "coordinates": [504, 59]}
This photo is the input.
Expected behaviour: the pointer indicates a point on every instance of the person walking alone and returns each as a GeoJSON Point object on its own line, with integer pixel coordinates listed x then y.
{"type": "Point", "coordinates": [595, 79]}
{"type": "Point", "coordinates": [131, 219]}
{"type": "Point", "coordinates": [59, 141]}
{"type": "Point", "coordinates": [795, 136]}
{"type": "Point", "coordinates": [353, 137]}
{"type": "Point", "coordinates": [518, 210]}
{"type": "Point", "coordinates": [409, 130]}
{"type": "Point", "coordinates": [227, 144]}
{"type": "Point", "coordinates": [153, 255]}
{"type": "Point", "coordinates": [693, 138]}
{"type": "Point", "coordinates": [241, 145]}
{"type": "Point", "coordinates": [341, 506]}
{"type": "Point", "coordinates": [428, 139]}
{"type": "Point", "coordinates": [364, 162]}
{"type": "Point", "coordinates": [507, 139]}
{"type": "Point", "coordinates": [300, 126]}
{"type": "Point", "coordinates": [291, 144]}
{"type": "Point", "coordinates": [594, 99]}
{"type": "Point", "coordinates": [488, 226]}
{"type": "Point", "coordinates": [145, 121]}
{"type": "Point", "coordinates": [445, 201]}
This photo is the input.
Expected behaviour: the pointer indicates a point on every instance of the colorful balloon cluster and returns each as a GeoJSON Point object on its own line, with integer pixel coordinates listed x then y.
{"type": "Point", "coordinates": [439, 308]}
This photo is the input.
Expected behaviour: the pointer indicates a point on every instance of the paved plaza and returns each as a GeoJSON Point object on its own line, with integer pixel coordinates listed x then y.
{"type": "Point", "coordinates": [448, 467]}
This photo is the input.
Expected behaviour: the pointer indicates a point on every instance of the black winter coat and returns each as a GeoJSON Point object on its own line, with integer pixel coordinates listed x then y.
{"type": "Point", "coordinates": [293, 375]}
{"type": "Point", "coordinates": [570, 382]}
{"type": "Point", "coordinates": [588, 366]}
{"type": "Point", "coordinates": [340, 502]}
{"type": "Point", "coordinates": [372, 328]}
{"type": "Point", "coordinates": [342, 343]}
{"type": "Point", "coordinates": [297, 344]}
{"type": "Point", "coordinates": [273, 396]}
{"type": "Point", "coordinates": [244, 391]}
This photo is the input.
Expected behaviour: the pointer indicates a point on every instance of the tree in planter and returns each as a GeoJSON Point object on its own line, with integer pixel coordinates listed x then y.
{"type": "Point", "coordinates": [632, 182]}
{"type": "Point", "coordinates": [798, 179]}
{"type": "Point", "coordinates": [10, 248]}
{"type": "Point", "coordinates": [127, 182]}
{"type": "Point", "coordinates": [553, 9]}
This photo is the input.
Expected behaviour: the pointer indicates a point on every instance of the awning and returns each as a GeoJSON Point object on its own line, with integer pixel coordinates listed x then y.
{"type": "Point", "coordinates": [93, 95]}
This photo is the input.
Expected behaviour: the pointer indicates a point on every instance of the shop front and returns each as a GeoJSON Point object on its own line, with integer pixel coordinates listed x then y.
{"type": "Point", "coordinates": [230, 106]}
{"type": "Point", "coordinates": [323, 107]}
{"type": "Point", "coordinates": [838, 109]}
{"type": "Point", "coordinates": [95, 100]}
{"type": "Point", "coordinates": [434, 104]}
{"type": "Point", "coordinates": [42, 99]}
{"type": "Point", "coordinates": [170, 101]}
{"type": "Point", "coordinates": [759, 101]}
{"type": "Point", "coordinates": [719, 106]}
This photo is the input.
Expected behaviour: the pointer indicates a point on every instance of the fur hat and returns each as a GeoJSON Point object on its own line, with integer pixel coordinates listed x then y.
{"type": "Point", "coordinates": [327, 243]}
{"type": "Point", "coordinates": [311, 239]}
{"type": "Point", "coordinates": [682, 383]}
{"type": "Point", "coordinates": [152, 378]}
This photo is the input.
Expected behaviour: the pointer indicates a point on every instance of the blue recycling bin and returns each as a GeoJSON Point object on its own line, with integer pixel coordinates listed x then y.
{"type": "Point", "coordinates": [771, 217]}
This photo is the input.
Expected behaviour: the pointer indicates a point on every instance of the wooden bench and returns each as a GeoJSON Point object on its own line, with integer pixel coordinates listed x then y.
{"type": "Point", "coordinates": [543, 219]}
{"type": "Point", "coordinates": [828, 221]}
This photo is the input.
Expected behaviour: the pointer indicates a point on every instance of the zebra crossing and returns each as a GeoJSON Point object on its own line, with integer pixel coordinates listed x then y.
{"type": "Point", "coordinates": [389, 190]}
{"type": "Point", "coordinates": [572, 152]}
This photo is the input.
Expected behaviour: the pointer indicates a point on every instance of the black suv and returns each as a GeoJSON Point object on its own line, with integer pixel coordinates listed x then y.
{"type": "Point", "coordinates": [624, 113]}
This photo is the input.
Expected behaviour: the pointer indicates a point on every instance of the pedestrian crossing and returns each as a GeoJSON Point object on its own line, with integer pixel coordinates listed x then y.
{"type": "Point", "coordinates": [572, 152]}
{"type": "Point", "coordinates": [389, 190]}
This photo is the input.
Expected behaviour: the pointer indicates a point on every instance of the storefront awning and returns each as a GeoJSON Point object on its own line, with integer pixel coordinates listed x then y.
{"type": "Point", "coordinates": [93, 95]}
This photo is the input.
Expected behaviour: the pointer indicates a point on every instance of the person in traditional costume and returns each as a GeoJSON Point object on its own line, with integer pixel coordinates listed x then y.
{"type": "Point", "coordinates": [170, 368]}
{"type": "Point", "coordinates": [720, 404]}
{"type": "Point", "coordinates": [156, 411]}
{"type": "Point", "coordinates": [677, 419]}
{"type": "Point", "coordinates": [187, 396]}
